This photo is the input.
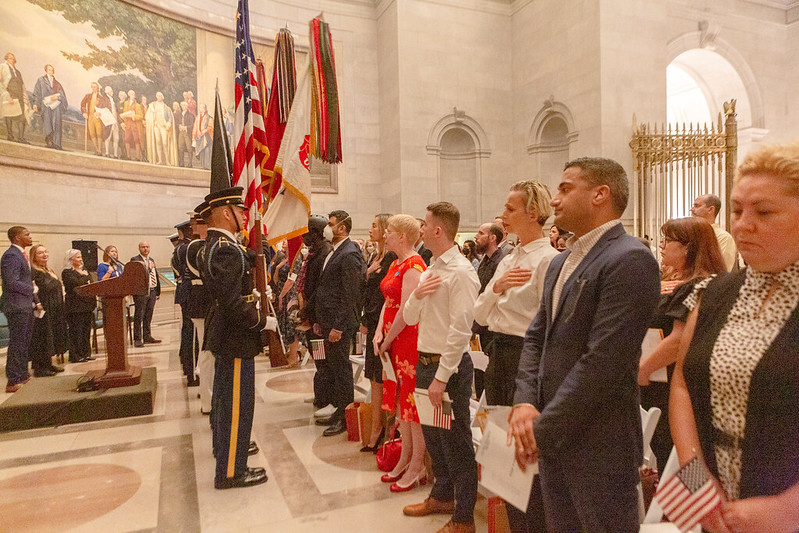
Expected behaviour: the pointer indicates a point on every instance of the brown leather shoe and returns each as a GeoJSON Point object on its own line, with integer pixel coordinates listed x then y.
{"type": "Point", "coordinates": [429, 506]}
{"type": "Point", "coordinates": [457, 527]}
{"type": "Point", "coordinates": [13, 388]}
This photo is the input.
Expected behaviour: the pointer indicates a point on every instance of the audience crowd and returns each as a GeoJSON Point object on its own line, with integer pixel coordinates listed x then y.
{"type": "Point", "coordinates": [561, 313]}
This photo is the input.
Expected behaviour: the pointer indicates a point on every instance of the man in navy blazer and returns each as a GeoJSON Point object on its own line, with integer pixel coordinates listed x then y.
{"type": "Point", "coordinates": [576, 406]}
{"type": "Point", "coordinates": [144, 305]}
{"type": "Point", "coordinates": [18, 302]}
{"type": "Point", "coordinates": [336, 304]}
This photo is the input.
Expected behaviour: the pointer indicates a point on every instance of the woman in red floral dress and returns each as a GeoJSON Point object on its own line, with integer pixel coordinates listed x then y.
{"type": "Point", "coordinates": [399, 340]}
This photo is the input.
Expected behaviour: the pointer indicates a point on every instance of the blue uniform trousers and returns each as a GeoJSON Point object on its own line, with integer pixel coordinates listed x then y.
{"type": "Point", "coordinates": [232, 410]}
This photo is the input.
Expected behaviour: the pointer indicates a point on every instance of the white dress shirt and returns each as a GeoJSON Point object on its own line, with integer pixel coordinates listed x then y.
{"type": "Point", "coordinates": [511, 311]}
{"type": "Point", "coordinates": [333, 250]}
{"type": "Point", "coordinates": [729, 252]}
{"type": "Point", "coordinates": [578, 249]}
{"type": "Point", "coordinates": [445, 317]}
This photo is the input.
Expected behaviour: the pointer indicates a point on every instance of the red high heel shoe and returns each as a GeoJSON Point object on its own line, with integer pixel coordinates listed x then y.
{"type": "Point", "coordinates": [420, 479]}
{"type": "Point", "coordinates": [388, 478]}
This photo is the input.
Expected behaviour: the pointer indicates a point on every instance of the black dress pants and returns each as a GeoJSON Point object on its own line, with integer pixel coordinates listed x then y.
{"type": "Point", "coordinates": [80, 330]}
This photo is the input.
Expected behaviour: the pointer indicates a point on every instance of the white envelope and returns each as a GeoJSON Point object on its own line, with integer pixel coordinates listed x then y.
{"type": "Point", "coordinates": [424, 406]}
{"type": "Point", "coordinates": [385, 359]}
{"type": "Point", "coordinates": [652, 338]}
{"type": "Point", "coordinates": [500, 474]}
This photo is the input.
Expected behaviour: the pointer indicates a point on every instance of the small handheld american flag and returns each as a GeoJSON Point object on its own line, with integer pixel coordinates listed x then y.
{"type": "Point", "coordinates": [318, 349]}
{"type": "Point", "coordinates": [442, 416]}
{"type": "Point", "coordinates": [689, 496]}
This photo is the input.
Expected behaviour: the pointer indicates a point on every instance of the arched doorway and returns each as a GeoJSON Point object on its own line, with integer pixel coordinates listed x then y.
{"type": "Point", "coordinates": [701, 76]}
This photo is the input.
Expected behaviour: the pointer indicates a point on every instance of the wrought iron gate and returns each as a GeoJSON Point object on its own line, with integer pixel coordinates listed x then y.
{"type": "Point", "coordinates": [674, 164]}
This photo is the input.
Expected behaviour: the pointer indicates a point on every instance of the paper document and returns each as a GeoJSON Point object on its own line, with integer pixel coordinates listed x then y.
{"type": "Point", "coordinates": [385, 359]}
{"type": "Point", "coordinates": [51, 101]}
{"type": "Point", "coordinates": [440, 417]}
{"type": "Point", "coordinates": [479, 360]}
{"type": "Point", "coordinates": [106, 116]}
{"type": "Point", "coordinates": [652, 338]}
{"type": "Point", "coordinates": [500, 474]}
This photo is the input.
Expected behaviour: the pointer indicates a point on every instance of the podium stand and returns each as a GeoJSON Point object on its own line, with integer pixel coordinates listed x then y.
{"type": "Point", "coordinates": [132, 281]}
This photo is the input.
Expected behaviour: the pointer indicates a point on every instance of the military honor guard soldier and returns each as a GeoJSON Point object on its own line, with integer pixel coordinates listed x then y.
{"type": "Point", "coordinates": [183, 279]}
{"type": "Point", "coordinates": [233, 335]}
{"type": "Point", "coordinates": [199, 302]}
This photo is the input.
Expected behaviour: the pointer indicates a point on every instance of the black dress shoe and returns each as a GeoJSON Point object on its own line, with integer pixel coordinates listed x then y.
{"type": "Point", "coordinates": [56, 369]}
{"type": "Point", "coordinates": [338, 427]}
{"type": "Point", "coordinates": [87, 358]}
{"type": "Point", "coordinates": [327, 421]}
{"type": "Point", "coordinates": [194, 382]}
{"type": "Point", "coordinates": [253, 449]}
{"type": "Point", "coordinates": [252, 476]}
{"type": "Point", "coordinates": [151, 340]}
{"type": "Point", "coordinates": [138, 344]}
{"type": "Point", "coordinates": [43, 373]}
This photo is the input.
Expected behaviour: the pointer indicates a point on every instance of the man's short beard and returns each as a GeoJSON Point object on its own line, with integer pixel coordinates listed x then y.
{"type": "Point", "coordinates": [480, 249]}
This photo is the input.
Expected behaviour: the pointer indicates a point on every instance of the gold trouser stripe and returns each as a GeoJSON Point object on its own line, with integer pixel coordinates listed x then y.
{"type": "Point", "coordinates": [234, 418]}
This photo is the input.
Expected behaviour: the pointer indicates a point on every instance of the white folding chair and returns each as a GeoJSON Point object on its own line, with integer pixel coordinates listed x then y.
{"type": "Point", "coordinates": [649, 420]}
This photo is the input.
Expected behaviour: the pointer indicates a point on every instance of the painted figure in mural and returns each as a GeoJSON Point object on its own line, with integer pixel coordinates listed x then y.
{"type": "Point", "coordinates": [228, 122]}
{"type": "Point", "coordinates": [161, 145]}
{"type": "Point", "coordinates": [188, 97]}
{"type": "Point", "coordinates": [50, 98]}
{"type": "Point", "coordinates": [142, 125]}
{"type": "Point", "coordinates": [203, 131]}
{"type": "Point", "coordinates": [111, 130]}
{"type": "Point", "coordinates": [132, 114]}
{"type": "Point", "coordinates": [185, 122]}
{"type": "Point", "coordinates": [13, 99]}
{"type": "Point", "coordinates": [122, 95]}
{"type": "Point", "coordinates": [90, 107]}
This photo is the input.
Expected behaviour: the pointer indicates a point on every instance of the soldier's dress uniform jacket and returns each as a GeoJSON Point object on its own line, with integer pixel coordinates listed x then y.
{"type": "Point", "coordinates": [199, 302]}
{"type": "Point", "coordinates": [183, 279]}
{"type": "Point", "coordinates": [232, 334]}
{"type": "Point", "coordinates": [234, 323]}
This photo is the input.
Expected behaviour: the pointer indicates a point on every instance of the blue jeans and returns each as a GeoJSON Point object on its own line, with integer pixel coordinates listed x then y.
{"type": "Point", "coordinates": [451, 450]}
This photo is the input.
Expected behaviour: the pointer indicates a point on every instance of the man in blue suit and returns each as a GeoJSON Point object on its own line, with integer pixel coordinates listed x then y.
{"type": "Point", "coordinates": [18, 302]}
{"type": "Point", "coordinates": [336, 303]}
{"type": "Point", "coordinates": [576, 406]}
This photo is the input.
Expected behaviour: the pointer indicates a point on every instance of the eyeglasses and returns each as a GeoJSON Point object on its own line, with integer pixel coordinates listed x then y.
{"type": "Point", "coordinates": [665, 240]}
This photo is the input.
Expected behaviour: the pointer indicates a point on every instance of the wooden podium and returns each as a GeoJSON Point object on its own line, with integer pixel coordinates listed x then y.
{"type": "Point", "coordinates": [132, 281]}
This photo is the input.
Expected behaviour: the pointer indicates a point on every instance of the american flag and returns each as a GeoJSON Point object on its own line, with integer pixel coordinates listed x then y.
{"type": "Point", "coordinates": [442, 416]}
{"type": "Point", "coordinates": [688, 496]}
{"type": "Point", "coordinates": [318, 349]}
{"type": "Point", "coordinates": [249, 134]}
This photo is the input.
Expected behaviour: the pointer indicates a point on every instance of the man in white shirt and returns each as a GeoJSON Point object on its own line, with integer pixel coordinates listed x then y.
{"type": "Point", "coordinates": [707, 207]}
{"type": "Point", "coordinates": [511, 298]}
{"type": "Point", "coordinates": [443, 306]}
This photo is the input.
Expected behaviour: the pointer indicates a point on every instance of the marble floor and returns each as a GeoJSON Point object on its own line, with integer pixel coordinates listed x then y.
{"type": "Point", "coordinates": [155, 472]}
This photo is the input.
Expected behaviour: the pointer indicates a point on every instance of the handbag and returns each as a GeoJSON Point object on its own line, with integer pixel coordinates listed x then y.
{"type": "Point", "coordinates": [389, 453]}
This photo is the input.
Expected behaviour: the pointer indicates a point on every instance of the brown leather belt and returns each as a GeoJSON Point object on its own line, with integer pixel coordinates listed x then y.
{"type": "Point", "coordinates": [725, 440]}
{"type": "Point", "coordinates": [429, 358]}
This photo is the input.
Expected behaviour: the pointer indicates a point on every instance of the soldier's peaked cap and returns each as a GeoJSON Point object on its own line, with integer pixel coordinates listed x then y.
{"type": "Point", "coordinates": [184, 224]}
{"type": "Point", "coordinates": [202, 210]}
{"type": "Point", "coordinates": [227, 196]}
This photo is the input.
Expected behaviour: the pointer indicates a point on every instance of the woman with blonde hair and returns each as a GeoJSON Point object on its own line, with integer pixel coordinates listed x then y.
{"type": "Point", "coordinates": [79, 309]}
{"type": "Point", "coordinates": [735, 394]}
{"type": "Point", "coordinates": [49, 330]}
{"type": "Point", "coordinates": [397, 339]}
{"type": "Point", "coordinates": [373, 301]}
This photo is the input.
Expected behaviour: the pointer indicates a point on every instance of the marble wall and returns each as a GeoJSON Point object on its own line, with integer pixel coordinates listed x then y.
{"type": "Point", "coordinates": [406, 67]}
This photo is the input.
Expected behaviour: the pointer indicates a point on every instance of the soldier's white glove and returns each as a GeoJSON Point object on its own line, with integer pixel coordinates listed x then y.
{"type": "Point", "coordinates": [271, 323]}
{"type": "Point", "coordinates": [269, 292]}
